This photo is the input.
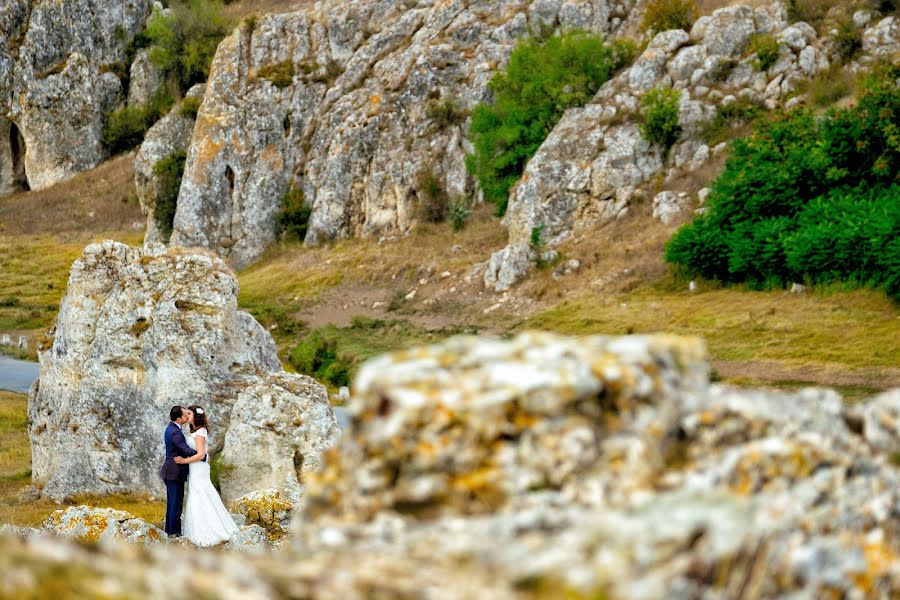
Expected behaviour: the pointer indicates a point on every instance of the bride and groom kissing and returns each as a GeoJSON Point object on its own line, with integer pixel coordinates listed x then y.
{"type": "Point", "coordinates": [206, 521]}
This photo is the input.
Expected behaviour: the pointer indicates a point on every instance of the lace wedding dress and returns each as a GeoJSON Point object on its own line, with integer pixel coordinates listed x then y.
{"type": "Point", "coordinates": [206, 521]}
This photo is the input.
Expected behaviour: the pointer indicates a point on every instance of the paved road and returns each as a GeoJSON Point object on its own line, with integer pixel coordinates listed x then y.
{"type": "Point", "coordinates": [17, 375]}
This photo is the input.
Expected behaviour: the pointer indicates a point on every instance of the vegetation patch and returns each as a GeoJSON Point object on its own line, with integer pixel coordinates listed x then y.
{"type": "Point", "coordinates": [169, 172]}
{"type": "Point", "coordinates": [125, 127]}
{"type": "Point", "coordinates": [730, 120]}
{"type": "Point", "coordinates": [659, 111]}
{"type": "Point", "coordinates": [445, 113]}
{"type": "Point", "coordinates": [459, 213]}
{"type": "Point", "coordinates": [190, 107]}
{"type": "Point", "coordinates": [767, 49]}
{"type": "Point", "coordinates": [828, 87]}
{"type": "Point", "coordinates": [665, 15]}
{"type": "Point", "coordinates": [293, 219]}
{"type": "Point", "coordinates": [544, 77]}
{"type": "Point", "coordinates": [433, 199]}
{"type": "Point", "coordinates": [807, 199]}
{"type": "Point", "coordinates": [280, 74]}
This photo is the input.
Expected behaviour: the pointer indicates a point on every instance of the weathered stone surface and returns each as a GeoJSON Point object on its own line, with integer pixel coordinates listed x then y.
{"type": "Point", "coordinates": [352, 128]}
{"type": "Point", "coordinates": [250, 538]}
{"type": "Point", "coordinates": [138, 331]}
{"type": "Point", "coordinates": [268, 509]}
{"type": "Point", "coordinates": [56, 86]}
{"type": "Point", "coordinates": [883, 39]}
{"type": "Point", "coordinates": [170, 134]}
{"type": "Point", "coordinates": [145, 79]}
{"type": "Point", "coordinates": [89, 524]}
{"type": "Point", "coordinates": [279, 428]}
{"type": "Point", "coordinates": [666, 207]}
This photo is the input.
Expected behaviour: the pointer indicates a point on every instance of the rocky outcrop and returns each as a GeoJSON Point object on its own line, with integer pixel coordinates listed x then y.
{"type": "Point", "coordinates": [602, 467]}
{"type": "Point", "coordinates": [144, 79]}
{"type": "Point", "coordinates": [596, 161]}
{"type": "Point", "coordinates": [340, 101]}
{"type": "Point", "coordinates": [88, 524]}
{"type": "Point", "coordinates": [170, 134]}
{"type": "Point", "coordinates": [268, 509]}
{"type": "Point", "coordinates": [57, 84]}
{"type": "Point", "coordinates": [279, 428]}
{"type": "Point", "coordinates": [137, 332]}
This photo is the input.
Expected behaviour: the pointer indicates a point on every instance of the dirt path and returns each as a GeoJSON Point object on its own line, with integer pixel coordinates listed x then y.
{"type": "Point", "coordinates": [768, 370]}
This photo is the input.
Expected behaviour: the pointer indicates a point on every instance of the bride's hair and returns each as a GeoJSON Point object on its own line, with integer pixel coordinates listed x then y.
{"type": "Point", "coordinates": [199, 418]}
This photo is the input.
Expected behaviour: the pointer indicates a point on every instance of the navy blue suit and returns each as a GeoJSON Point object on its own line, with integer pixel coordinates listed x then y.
{"type": "Point", "coordinates": [174, 476]}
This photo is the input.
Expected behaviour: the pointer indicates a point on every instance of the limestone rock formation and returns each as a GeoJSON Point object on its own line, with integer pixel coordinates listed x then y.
{"type": "Point", "coordinates": [267, 509]}
{"type": "Point", "coordinates": [145, 79]}
{"type": "Point", "coordinates": [138, 331]}
{"type": "Point", "coordinates": [56, 84]}
{"type": "Point", "coordinates": [170, 134]}
{"type": "Point", "coordinates": [338, 101]}
{"type": "Point", "coordinates": [279, 428]}
{"type": "Point", "coordinates": [250, 538]}
{"type": "Point", "coordinates": [89, 524]}
{"type": "Point", "coordinates": [596, 160]}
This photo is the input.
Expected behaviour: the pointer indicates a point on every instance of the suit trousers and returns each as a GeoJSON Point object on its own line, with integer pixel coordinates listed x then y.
{"type": "Point", "coordinates": [174, 504]}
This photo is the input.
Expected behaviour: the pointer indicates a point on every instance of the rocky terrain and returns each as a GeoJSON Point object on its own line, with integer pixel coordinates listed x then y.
{"type": "Point", "coordinates": [139, 331]}
{"type": "Point", "coordinates": [526, 467]}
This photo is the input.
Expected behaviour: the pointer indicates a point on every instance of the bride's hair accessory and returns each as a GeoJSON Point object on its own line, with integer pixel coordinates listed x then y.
{"type": "Point", "coordinates": [199, 411]}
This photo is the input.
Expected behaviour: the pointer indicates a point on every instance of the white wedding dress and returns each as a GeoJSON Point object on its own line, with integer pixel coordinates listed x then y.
{"type": "Point", "coordinates": [206, 521]}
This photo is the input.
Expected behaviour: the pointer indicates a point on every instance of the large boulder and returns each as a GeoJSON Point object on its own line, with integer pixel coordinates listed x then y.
{"type": "Point", "coordinates": [268, 509]}
{"type": "Point", "coordinates": [57, 84]}
{"type": "Point", "coordinates": [339, 101]}
{"type": "Point", "coordinates": [89, 524]}
{"type": "Point", "coordinates": [278, 430]}
{"type": "Point", "coordinates": [138, 331]}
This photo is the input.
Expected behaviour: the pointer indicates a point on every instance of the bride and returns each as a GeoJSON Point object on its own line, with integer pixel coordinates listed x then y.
{"type": "Point", "coordinates": [206, 521]}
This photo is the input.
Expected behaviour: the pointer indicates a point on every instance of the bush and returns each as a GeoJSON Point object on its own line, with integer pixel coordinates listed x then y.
{"type": "Point", "coordinates": [847, 41]}
{"type": "Point", "coordinates": [293, 219]}
{"type": "Point", "coordinates": [445, 113]}
{"type": "Point", "coordinates": [189, 108]}
{"type": "Point", "coordinates": [807, 198]}
{"type": "Point", "coordinates": [544, 77]}
{"type": "Point", "coordinates": [169, 171]}
{"type": "Point", "coordinates": [184, 39]}
{"type": "Point", "coordinates": [317, 357]}
{"type": "Point", "coordinates": [665, 15]}
{"type": "Point", "coordinates": [730, 118]}
{"type": "Point", "coordinates": [433, 200]}
{"type": "Point", "coordinates": [827, 88]}
{"type": "Point", "coordinates": [125, 127]}
{"type": "Point", "coordinates": [459, 213]}
{"type": "Point", "coordinates": [659, 109]}
{"type": "Point", "coordinates": [766, 48]}
{"type": "Point", "coordinates": [280, 74]}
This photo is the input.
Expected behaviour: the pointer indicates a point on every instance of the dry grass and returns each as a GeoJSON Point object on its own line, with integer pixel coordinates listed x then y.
{"type": "Point", "coordinates": [244, 8]}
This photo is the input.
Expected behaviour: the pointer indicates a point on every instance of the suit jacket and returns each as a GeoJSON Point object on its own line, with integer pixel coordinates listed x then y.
{"type": "Point", "coordinates": [176, 445]}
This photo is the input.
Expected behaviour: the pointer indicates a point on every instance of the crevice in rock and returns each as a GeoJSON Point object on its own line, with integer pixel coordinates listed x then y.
{"type": "Point", "coordinates": [17, 156]}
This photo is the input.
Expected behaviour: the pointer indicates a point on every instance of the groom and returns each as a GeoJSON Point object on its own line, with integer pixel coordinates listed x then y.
{"type": "Point", "coordinates": [175, 475]}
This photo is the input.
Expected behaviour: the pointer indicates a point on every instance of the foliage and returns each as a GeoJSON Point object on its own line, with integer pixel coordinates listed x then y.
{"type": "Point", "coordinates": [766, 48]}
{"type": "Point", "coordinates": [183, 40]}
{"type": "Point", "coordinates": [807, 198]}
{"type": "Point", "coordinates": [659, 109]}
{"type": "Point", "coordinates": [730, 118]}
{"type": "Point", "coordinates": [280, 74]}
{"type": "Point", "coordinates": [459, 213]}
{"type": "Point", "coordinates": [125, 127]}
{"type": "Point", "coordinates": [190, 107]}
{"type": "Point", "coordinates": [293, 219]}
{"type": "Point", "coordinates": [169, 172]}
{"type": "Point", "coordinates": [544, 77]}
{"type": "Point", "coordinates": [828, 87]}
{"type": "Point", "coordinates": [317, 357]}
{"type": "Point", "coordinates": [847, 41]}
{"type": "Point", "coordinates": [665, 15]}
{"type": "Point", "coordinates": [445, 113]}
{"type": "Point", "coordinates": [433, 200]}
{"type": "Point", "coordinates": [809, 11]}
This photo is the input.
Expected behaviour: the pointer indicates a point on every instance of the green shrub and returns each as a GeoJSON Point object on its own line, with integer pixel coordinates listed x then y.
{"type": "Point", "coordinates": [847, 41]}
{"type": "Point", "coordinates": [659, 110]}
{"type": "Point", "coordinates": [183, 40]}
{"type": "Point", "coordinates": [766, 48]}
{"type": "Point", "coordinates": [169, 172]}
{"type": "Point", "coordinates": [544, 77]}
{"type": "Point", "coordinates": [125, 127]}
{"type": "Point", "coordinates": [459, 213]}
{"type": "Point", "coordinates": [807, 198]}
{"type": "Point", "coordinates": [665, 15]}
{"type": "Point", "coordinates": [729, 119]}
{"type": "Point", "coordinates": [189, 108]}
{"type": "Point", "coordinates": [280, 74]}
{"type": "Point", "coordinates": [317, 357]}
{"type": "Point", "coordinates": [293, 219]}
{"type": "Point", "coordinates": [445, 113]}
{"type": "Point", "coordinates": [828, 87]}
{"type": "Point", "coordinates": [433, 200]}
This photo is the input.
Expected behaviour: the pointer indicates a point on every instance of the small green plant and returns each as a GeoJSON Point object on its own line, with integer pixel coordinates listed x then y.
{"type": "Point", "coordinates": [293, 219]}
{"type": "Point", "coordinates": [659, 110]}
{"type": "Point", "coordinates": [169, 172]}
{"type": "Point", "coordinates": [847, 41]}
{"type": "Point", "coordinates": [125, 127]}
{"type": "Point", "coordinates": [536, 240]}
{"type": "Point", "coordinates": [445, 113]}
{"type": "Point", "coordinates": [190, 107]}
{"type": "Point", "coordinates": [767, 49]}
{"type": "Point", "coordinates": [665, 15]}
{"type": "Point", "coordinates": [722, 69]}
{"type": "Point", "coordinates": [730, 119]}
{"type": "Point", "coordinates": [10, 302]}
{"type": "Point", "coordinates": [280, 74]}
{"type": "Point", "coordinates": [829, 87]}
{"type": "Point", "coordinates": [433, 200]}
{"type": "Point", "coordinates": [317, 356]}
{"type": "Point", "coordinates": [459, 213]}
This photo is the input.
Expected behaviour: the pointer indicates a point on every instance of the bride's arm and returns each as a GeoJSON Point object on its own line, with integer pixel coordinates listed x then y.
{"type": "Point", "coordinates": [201, 452]}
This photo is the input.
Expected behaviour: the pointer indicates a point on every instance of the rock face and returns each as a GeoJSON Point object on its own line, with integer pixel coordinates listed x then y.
{"type": "Point", "coordinates": [145, 79]}
{"type": "Point", "coordinates": [89, 524]}
{"type": "Point", "coordinates": [602, 467]}
{"type": "Point", "coordinates": [279, 428]}
{"type": "Point", "coordinates": [56, 85]}
{"type": "Point", "coordinates": [138, 331]}
{"type": "Point", "coordinates": [268, 509]}
{"type": "Point", "coordinates": [596, 160]}
{"type": "Point", "coordinates": [170, 134]}
{"type": "Point", "coordinates": [336, 101]}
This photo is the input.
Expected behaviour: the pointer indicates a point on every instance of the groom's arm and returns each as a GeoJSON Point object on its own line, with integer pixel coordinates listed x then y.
{"type": "Point", "coordinates": [181, 447]}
